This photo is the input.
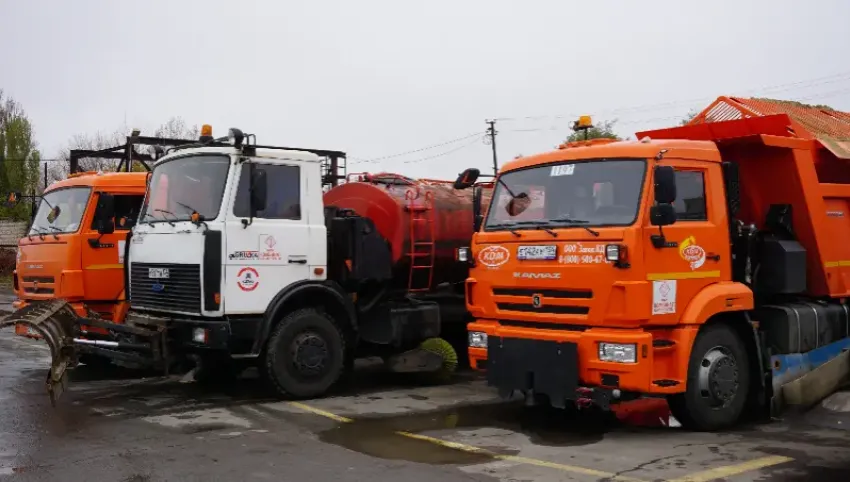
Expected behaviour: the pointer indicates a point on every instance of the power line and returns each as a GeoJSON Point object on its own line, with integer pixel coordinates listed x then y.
{"type": "Point", "coordinates": [414, 151]}
{"type": "Point", "coordinates": [838, 77]}
{"type": "Point", "coordinates": [451, 151]}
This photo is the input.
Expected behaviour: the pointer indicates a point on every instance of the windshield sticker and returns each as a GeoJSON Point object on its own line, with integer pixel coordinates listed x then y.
{"type": "Point", "coordinates": [691, 252]}
{"type": "Point", "coordinates": [244, 255]}
{"type": "Point", "coordinates": [494, 256]}
{"type": "Point", "coordinates": [267, 243]}
{"type": "Point", "coordinates": [581, 253]}
{"type": "Point", "coordinates": [562, 170]}
{"type": "Point", "coordinates": [663, 297]}
{"type": "Point", "coordinates": [248, 279]}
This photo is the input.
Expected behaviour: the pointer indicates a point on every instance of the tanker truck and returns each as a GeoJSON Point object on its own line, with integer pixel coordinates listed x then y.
{"type": "Point", "coordinates": [252, 254]}
{"type": "Point", "coordinates": [704, 264]}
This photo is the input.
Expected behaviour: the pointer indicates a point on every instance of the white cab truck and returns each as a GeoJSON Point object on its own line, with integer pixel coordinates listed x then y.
{"type": "Point", "coordinates": [235, 260]}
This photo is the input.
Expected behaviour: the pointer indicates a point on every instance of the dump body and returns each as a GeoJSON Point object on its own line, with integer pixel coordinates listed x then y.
{"type": "Point", "coordinates": [404, 211]}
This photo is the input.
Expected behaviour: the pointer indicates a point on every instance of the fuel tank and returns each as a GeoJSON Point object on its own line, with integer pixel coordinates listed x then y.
{"type": "Point", "coordinates": [424, 220]}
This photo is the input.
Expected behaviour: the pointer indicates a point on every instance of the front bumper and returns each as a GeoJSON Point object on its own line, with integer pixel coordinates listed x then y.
{"type": "Point", "coordinates": [556, 362]}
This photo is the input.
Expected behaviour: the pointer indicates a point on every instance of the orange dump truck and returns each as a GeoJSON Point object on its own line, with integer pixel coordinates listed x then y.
{"type": "Point", "coordinates": [706, 264]}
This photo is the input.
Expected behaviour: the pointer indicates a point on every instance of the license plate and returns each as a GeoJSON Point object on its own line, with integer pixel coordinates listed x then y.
{"type": "Point", "coordinates": [546, 252]}
{"type": "Point", "coordinates": [158, 273]}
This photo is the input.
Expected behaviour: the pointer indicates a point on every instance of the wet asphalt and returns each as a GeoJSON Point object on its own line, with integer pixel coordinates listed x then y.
{"type": "Point", "coordinates": [112, 427]}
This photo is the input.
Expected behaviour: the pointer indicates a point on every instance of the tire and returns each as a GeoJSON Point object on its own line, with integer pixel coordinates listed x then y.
{"type": "Point", "coordinates": [718, 382]}
{"type": "Point", "coordinates": [292, 371]}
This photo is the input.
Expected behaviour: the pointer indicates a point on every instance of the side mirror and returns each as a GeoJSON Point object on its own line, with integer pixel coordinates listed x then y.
{"type": "Point", "coordinates": [662, 215]}
{"type": "Point", "coordinates": [259, 189]}
{"type": "Point", "coordinates": [518, 204]}
{"type": "Point", "coordinates": [665, 184]}
{"type": "Point", "coordinates": [477, 217]}
{"type": "Point", "coordinates": [467, 178]}
{"type": "Point", "coordinates": [12, 199]}
{"type": "Point", "coordinates": [54, 213]}
{"type": "Point", "coordinates": [104, 215]}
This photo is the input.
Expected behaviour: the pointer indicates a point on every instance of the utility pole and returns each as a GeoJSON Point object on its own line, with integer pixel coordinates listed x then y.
{"type": "Point", "coordinates": [491, 131]}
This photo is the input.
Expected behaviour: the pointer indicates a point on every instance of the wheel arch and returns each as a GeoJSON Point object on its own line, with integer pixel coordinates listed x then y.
{"type": "Point", "coordinates": [327, 295]}
{"type": "Point", "coordinates": [716, 299]}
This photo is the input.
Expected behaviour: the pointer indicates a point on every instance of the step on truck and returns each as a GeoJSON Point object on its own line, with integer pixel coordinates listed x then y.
{"type": "Point", "coordinates": [690, 264]}
{"type": "Point", "coordinates": [250, 254]}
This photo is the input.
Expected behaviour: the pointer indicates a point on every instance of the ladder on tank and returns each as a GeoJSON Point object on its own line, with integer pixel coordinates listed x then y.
{"type": "Point", "coordinates": [422, 250]}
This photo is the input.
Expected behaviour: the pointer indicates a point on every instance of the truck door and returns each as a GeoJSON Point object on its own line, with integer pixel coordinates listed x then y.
{"type": "Point", "coordinates": [701, 255]}
{"type": "Point", "coordinates": [269, 252]}
{"type": "Point", "coordinates": [103, 256]}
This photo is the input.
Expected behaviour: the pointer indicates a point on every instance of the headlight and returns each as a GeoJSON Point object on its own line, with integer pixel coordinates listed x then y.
{"type": "Point", "coordinates": [612, 252]}
{"type": "Point", "coordinates": [618, 353]}
{"type": "Point", "coordinates": [463, 255]}
{"type": "Point", "coordinates": [477, 339]}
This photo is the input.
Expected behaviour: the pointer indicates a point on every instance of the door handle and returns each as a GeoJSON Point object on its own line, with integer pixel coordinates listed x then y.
{"type": "Point", "coordinates": [297, 261]}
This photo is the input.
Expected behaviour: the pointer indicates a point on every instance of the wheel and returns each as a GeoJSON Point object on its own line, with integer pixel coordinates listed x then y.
{"type": "Point", "coordinates": [305, 355]}
{"type": "Point", "coordinates": [718, 381]}
{"type": "Point", "coordinates": [445, 350]}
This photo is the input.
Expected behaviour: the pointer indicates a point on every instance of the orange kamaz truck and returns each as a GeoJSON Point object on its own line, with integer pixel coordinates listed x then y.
{"type": "Point", "coordinates": [66, 255]}
{"type": "Point", "coordinates": [707, 264]}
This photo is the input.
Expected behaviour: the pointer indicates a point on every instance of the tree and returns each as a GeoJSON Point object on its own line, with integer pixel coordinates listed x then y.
{"type": "Point", "coordinates": [173, 128]}
{"type": "Point", "coordinates": [688, 118]}
{"type": "Point", "coordinates": [603, 130]}
{"type": "Point", "coordinates": [19, 158]}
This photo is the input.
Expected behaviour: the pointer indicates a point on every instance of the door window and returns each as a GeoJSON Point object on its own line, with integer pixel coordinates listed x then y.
{"type": "Point", "coordinates": [690, 196]}
{"type": "Point", "coordinates": [127, 207]}
{"type": "Point", "coordinates": [284, 192]}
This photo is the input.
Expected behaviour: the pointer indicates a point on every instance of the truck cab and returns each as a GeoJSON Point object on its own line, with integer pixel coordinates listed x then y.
{"type": "Point", "coordinates": [65, 255]}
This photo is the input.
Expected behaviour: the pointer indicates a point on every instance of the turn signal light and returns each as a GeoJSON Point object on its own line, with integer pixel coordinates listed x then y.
{"type": "Point", "coordinates": [617, 254]}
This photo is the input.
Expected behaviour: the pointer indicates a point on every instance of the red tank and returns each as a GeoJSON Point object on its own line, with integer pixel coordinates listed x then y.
{"type": "Point", "coordinates": [424, 220]}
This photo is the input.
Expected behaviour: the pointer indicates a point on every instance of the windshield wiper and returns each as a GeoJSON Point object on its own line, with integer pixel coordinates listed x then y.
{"type": "Point", "coordinates": [575, 223]}
{"type": "Point", "coordinates": [539, 225]}
{"type": "Point", "coordinates": [166, 212]}
{"type": "Point", "coordinates": [54, 228]}
{"type": "Point", "coordinates": [507, 226]}
{"type": "Point", "coordinates": [39, 231]}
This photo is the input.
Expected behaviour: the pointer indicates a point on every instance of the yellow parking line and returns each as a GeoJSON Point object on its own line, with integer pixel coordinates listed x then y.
{"type": "Point", "coordinates": [318, 411]}
{"type": "Point", "coordinates": [476, 450]}
{"type": "Point", "coordinates": [737, 469]}
{"type": "Point", "coordinates": [704, 476]}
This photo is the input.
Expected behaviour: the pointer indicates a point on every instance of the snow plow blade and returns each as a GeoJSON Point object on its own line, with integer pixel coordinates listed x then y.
{"type": "Point", "coordinates": [54, 320]}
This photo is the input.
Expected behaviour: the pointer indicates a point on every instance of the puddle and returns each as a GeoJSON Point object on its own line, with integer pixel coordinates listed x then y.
{"type": "Point", "coordinates": [378, 437]}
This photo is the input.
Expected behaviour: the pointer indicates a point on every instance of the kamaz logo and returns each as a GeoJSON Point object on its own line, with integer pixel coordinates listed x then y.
{"type": "Point", "coordinates": [537, 275]}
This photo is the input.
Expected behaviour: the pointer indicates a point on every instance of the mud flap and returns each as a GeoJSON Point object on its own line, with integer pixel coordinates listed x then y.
{"type": "Point", "coordinates": [54, 321]}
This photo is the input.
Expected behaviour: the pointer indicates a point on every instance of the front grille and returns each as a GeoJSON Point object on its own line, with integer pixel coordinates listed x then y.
{"type": "Point", "coordinates": [181, 291]}
{"type": "Point", "coordinates": [553, 309]}
{"type": "Point", "coordinates": [38, 279]}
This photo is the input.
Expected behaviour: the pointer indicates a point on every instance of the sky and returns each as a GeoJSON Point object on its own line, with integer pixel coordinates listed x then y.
{"type": "Point", "coordinates": [385, 81]}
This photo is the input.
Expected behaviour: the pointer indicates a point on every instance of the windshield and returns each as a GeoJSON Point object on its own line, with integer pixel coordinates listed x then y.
{"type": "Point", "coordinates": [185, 185]}
{"type": "Point", "coordinates": [602, 192]}
{"type": "Point", "coordinates": [61, 211]}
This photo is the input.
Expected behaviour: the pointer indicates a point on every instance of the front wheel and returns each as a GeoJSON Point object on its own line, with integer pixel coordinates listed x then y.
{"type": "Point", "coordinates": [718, 381]}
{"type": "Point", "coordinates": [305, 355]}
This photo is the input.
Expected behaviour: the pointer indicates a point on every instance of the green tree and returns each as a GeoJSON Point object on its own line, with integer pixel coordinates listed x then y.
{"type": "Point", "coordinates": [688, 118]}
{"type": "Point", "coordinates": [602, 130]}
{"type": "Point", "coordinates": [19, 157]}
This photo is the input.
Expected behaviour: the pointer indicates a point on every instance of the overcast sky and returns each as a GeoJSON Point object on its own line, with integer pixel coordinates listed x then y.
{"type": "Point", "coordinates": [376, 78]}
